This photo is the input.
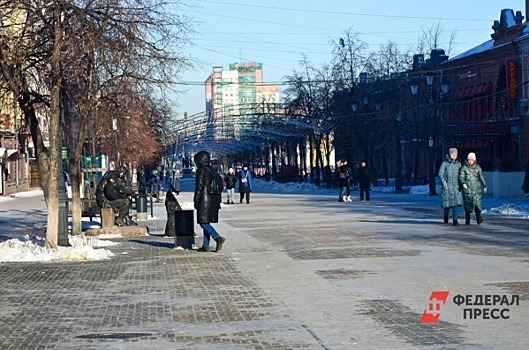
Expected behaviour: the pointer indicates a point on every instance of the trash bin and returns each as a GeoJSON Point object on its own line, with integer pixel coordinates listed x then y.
{"type": "Point", "coordinates": [184, 228]}
{"type": "Point", "coordinates": [141, 207]}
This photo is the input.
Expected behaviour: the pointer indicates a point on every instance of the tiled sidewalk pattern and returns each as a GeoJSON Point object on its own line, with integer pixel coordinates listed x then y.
{"type": "Point", "coordinates": [292, 275]}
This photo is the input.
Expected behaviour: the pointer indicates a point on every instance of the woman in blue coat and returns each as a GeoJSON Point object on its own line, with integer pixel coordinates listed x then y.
{"type": "Point", "coordinates": [450, 194]}
{"type": "Point", "coordinates": [245, 183]}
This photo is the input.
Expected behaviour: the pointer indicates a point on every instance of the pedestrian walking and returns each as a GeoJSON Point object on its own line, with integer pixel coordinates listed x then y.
{"type": "Point", "coordinates": [206, 199]}
{"type": "Point", "coordinates": [451, 198]}
{"type": "Point", "coordinates": [245, 183]}
{"type": "Point", "coordinates": [142, 181]}
{"type": "Point", "coordinates": [230, 179]}
{"type": "Point", "coordinates": [473, 185]}
{"type": "Point", "coordinates": [344, 177]}
{"type": "Point", "coordinates": [364, 181]}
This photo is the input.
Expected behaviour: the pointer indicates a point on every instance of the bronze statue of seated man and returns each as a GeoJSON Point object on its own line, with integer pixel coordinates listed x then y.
{"type": "Point", "coordinates": [111, 193]}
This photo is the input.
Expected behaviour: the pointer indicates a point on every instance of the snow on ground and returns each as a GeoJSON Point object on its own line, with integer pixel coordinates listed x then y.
{"type": "Point", "coordinates": [22, 195]}
{"type": "Point", "coordinates": [290, 187]}
{"type": "Point", "coordinates": [26, 248]}
{"type": "Point", "coordinates": [510, 210]}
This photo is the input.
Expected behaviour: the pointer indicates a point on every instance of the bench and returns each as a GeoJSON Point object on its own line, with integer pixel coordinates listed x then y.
{"type": "Point", "coordinates": [90, 209]}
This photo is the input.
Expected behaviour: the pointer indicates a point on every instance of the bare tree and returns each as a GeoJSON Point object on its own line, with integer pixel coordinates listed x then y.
{"type": "Point", "coordinates": [433, 37]}
{"type": "Point", "coordinates": [350, 58]}
{"type": "Point", "coordinates": [64, 52]}
{"type": "Point", "coordinates": [350, 55]}
{"type": "Point", "coordinates": [309, 98]}
{"type": "Point", "coordinates": [388, 61]}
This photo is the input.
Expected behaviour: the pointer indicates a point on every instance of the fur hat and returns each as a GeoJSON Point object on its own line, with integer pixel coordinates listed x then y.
{"type": "Point", "coordinates": [452, 151]}
{"type": "Point", "coordinates": [471, 155]}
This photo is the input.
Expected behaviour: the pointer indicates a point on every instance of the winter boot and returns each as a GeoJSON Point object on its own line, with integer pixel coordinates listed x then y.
{"type": "Point", "coordinates": [467, 218]}
{"type": "Point", "coordinates": [479, 219]}
{"type": "Point", "coordinates": [445, 215]}
{"type": "Point", "coordinates": [220, 241]}
{"type": "Point", "coordinates": [456, 223]}
{"type": "Point", "coordinates": [349, 199]}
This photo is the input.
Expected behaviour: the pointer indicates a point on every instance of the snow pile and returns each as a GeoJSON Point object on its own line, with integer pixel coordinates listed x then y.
{"type": "Point", "coordinates": [290, 187]}
{"type": "Point", "coordinates": [510, 209]}
{"type": "Point", "coordinates": [28, 249]}
{"type": "Point", "coordinates": [420, 190]}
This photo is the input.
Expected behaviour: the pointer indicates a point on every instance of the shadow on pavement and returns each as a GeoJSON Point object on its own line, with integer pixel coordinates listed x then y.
{"type": "Point", "coordinates": [157, 244]}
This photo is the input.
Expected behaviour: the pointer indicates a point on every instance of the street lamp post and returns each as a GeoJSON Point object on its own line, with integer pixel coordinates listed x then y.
{"type": "Point", "coordinates": [434, 96]}
{"type": "Point", "coordinates": [398, 170]}
{"type": "Point", "coordinates": [115, 130]}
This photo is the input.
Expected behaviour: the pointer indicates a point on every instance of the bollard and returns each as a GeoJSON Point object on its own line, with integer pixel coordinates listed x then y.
{"type": "Point", "coordinates": [184, 229]}
{"type": "Point", "coordinates": [141, 207]}
{"type": "Point", "coordinates": [63, 233]}
{"type": "Point", "coordinates": [63, 220]}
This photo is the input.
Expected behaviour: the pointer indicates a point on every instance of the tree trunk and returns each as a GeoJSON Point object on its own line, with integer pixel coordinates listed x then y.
{"type": "Point", "coordinates": [416, 165]}
{"type": "Point", "coordinates": [75, 176]}
{"type": "Point", "coordinates": [398, 171]}
{"type": "Point", "coordinates": [75, 126]}
{"type": "Point", "coordinates": [385, 169]}
{"type": "Point", "coordinates": [314, 174]}
{"type": "Point", "coordinates": [52, 230]}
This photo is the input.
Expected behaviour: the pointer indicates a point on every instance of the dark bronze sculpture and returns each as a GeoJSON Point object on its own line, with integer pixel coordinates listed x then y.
{"type": "Point", "coordinates": [112, 193]}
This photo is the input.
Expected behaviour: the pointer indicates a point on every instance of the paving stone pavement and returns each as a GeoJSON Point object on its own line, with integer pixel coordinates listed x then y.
{"type": "Point", "coordinates": [298, 271]}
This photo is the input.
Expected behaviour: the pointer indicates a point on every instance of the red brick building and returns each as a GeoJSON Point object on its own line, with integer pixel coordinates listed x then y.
{"type": "Point", "coordinates": [487, 110]}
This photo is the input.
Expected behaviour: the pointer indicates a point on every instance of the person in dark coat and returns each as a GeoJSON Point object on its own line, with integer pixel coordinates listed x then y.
{"type": "Point", "coordinates": [473, 183]}
{"type": "Point", "coordinates": [344, 177]}
{"type": "Point", "coordinates": [450, 194]}
{"type": "Point", "coordinates": [206, 201]}
{"type": "Point", "coordinates": [230, 179]}
{"type": "Point", "coordinates": [364, 181]}
{"type": "Point", "coordinates": [245, 183]}
{"type": "Point", "coordinates": [142, 181]}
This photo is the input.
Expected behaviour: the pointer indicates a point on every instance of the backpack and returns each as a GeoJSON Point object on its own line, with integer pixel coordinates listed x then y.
{"type": "Point", "coordinates": [215, 185]}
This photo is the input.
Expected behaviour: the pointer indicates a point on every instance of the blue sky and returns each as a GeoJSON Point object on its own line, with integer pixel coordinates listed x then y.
{"type": "Point", "coordinates": [277, 33]}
